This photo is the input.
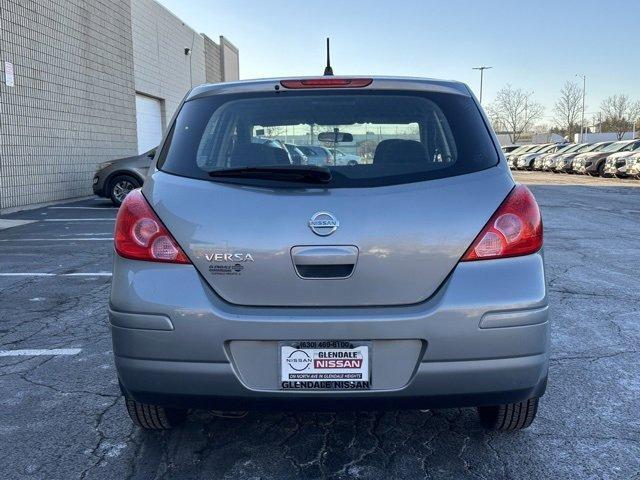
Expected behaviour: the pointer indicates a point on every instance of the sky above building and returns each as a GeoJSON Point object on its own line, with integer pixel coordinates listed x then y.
{"type": "Point", "coordinates": [536, 46]}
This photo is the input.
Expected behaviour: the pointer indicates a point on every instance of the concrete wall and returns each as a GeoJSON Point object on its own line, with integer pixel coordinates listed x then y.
{"type": "Point", "coordinates": [222, 63]}
{"type": "Point", "coordinates": [212, 61]}
{"type": "Point", "coordinates": [78, 66]}
{"type": "Point", "coordinates": [230, 61]}
{"type": "Point", "coordinates": [72, 105]}
{"type": "Point", "coordinates": [161, 67]}
{"type": "Point", "coordinates": [603, 137]}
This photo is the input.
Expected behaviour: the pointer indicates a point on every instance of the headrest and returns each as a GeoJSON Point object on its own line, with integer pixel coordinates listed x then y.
{"type": "Point", "coordinates": [258, 155]}
{"type": "Point", "coordinates": [396, 151]}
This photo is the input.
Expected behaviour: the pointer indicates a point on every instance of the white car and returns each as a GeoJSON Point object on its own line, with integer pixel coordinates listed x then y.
{"type": "Point", "coordinates": [341, 158]}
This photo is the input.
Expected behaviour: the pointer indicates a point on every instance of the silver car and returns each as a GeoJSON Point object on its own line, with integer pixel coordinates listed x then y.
{"type": "Point", "coordinates": [525, 162]}
{"type": "Point", "coordinates": [342, 158]}
{"type": "Point", "coordinates": [317, 155]}
{"type": "Point", "coordinates": [116, 178]}
{"type": "Point", "coordinates": [242, 281]}
{"type": "Point", "coordinates": [633, 165]}
{"type": "Point", "coordinates": [512, 157]}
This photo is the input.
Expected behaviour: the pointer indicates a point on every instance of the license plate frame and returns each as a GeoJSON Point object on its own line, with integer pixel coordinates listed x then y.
{"type": "Point", "coordinates": [336, 377]}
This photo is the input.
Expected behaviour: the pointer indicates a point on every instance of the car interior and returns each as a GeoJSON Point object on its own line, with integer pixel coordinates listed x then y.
{"type": "Point", "coordinates": [410, 133]}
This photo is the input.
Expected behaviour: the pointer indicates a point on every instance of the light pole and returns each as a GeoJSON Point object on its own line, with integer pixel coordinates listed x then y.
{"type": "Point", "coordinates": [482, 69]}
{"type": "Point", "coordinates": [584, 93]}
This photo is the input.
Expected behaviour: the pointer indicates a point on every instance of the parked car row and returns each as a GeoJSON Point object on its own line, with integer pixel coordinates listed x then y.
{"type": "Point", "coordinates": [312, 154]}
{"type": "Point", "coordinates": [604, 159]}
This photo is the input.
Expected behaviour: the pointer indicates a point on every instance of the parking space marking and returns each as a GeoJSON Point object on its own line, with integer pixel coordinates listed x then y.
{"type": "Point", "coordinates": [40, 352]}
{"type": "Point", "coordinates": [83, 208]}
{"type": "Point", "coordinates": [110, 219]}
{"type": "Point", "coordinates": [92, 234]}
{"type": "Point", "coordinates": [44, 274]}
{"type": "Point", "coordinates": [90, 239]}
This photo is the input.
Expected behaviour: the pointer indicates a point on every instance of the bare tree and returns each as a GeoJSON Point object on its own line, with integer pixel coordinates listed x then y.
{"type": "Point", "coordinates": [514, 111]}
{"type": "Point", "coordinates": [619, 113]}
{"type": "Point", "coordinates": [568, 109]}
{"type": "Point", "coordinates": [274, 131]}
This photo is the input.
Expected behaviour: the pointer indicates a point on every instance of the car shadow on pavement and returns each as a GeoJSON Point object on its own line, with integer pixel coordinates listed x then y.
{"type": "Point", "coordinates": [375, 445]}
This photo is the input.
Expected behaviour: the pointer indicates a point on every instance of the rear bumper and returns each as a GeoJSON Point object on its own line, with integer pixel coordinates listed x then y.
{"type": "Point", "coordinates": [482, 339]}
{"type": "Point", "coordinates": [434, 385]}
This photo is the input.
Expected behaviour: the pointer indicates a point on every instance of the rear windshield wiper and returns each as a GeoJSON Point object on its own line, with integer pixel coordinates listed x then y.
{"type": "Point", "coordinates": [310, 174]}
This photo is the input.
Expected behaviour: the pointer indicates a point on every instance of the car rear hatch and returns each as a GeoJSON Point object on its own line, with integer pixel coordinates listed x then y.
{"type": "Point", "coordinates": [367, 237]}
{"type": "Point", "coordinates": [394, 245]}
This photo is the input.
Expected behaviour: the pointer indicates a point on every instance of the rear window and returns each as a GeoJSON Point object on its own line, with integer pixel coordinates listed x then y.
{"type": "Point", "coordinates": [306, 150]}
{"type": "Point", "coordinates": [389, 137]}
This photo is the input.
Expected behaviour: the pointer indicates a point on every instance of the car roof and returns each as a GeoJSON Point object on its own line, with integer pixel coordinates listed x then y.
{"type": "Point", "coordinates": [378, 83]}
{"type": "Point", "coordinates": [315, 147]}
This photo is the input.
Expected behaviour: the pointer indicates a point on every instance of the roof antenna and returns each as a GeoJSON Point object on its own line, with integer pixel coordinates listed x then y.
{"type": "Point", "coordinates": [328, 70]}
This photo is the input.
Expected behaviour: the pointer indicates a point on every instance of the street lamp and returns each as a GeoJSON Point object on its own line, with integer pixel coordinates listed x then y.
{"type": "Point", "coordinates": [584, 93]}
{"type": "Point", "coordinates": [482, 69]}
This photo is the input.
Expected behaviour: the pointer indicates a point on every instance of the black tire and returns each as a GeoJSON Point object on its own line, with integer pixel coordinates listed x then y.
{"type": "Point", "coordinates": [601, 170]}
{"type": "Point", "coordinates": [510, 417]}
{"type": "Point", "coordinates": [120, 186]}
{"type": "Point", "coordinates": [154, 417]}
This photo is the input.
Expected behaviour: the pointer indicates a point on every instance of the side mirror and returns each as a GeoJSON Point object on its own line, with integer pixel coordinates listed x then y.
{"type": "Point", "coordinates": [152, 154]}
{"type": "Point", "coordinates": [335, 137]}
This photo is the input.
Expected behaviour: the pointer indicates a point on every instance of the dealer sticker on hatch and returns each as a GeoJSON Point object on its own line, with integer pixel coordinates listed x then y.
{"type": "Point", "coordinates": [312, 366]}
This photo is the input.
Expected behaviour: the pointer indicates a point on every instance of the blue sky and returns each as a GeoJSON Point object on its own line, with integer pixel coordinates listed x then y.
{"type": "Point", "coordinates": [535, 46]}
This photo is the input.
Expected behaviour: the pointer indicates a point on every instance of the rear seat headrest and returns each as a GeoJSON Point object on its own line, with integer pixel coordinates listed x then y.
{"type": "Point", "coordinates": [258, 155]}
{"type": "Point", "coordinates": [396, 151]}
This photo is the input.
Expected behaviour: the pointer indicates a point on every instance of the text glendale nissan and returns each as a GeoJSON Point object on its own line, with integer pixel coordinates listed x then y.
{"type": "Point", "coordinates": [413, 278]}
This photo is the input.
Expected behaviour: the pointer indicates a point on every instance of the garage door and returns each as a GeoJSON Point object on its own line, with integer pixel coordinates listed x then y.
{"type": "Point", "coordinates": [149, 120]}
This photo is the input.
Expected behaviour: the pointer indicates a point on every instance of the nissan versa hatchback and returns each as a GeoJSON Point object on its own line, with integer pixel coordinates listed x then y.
{"type": "Point", "coordinates": [416, 280]}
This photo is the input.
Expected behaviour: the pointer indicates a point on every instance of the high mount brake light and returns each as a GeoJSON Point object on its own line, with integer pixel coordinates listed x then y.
{"type": "Point", "coordinates": [515, 229]}
{"type": "Point", "coordinates": [327, 83]}
{"type": "Point", "coordinates": [140, 235]}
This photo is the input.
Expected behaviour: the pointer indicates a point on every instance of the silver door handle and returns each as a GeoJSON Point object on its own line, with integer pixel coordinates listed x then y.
{"type": "Point", "coordinates": [325, 255]}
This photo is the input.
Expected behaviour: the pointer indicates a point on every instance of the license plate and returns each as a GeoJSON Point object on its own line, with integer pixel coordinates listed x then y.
{"type": "Point", "coordinates": [320, 365]}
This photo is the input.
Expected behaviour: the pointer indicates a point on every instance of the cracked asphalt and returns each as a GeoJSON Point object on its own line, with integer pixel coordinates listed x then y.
{"type": "Point", "coordinates": [62, 417]}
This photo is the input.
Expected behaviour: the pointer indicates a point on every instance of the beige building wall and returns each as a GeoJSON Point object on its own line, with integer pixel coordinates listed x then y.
{"type": "Point", "coordinates": [71, 105]}
{"type": "Point", "coordinates": [161, 67]}
{"type": "Point", "coordinates": [79, 69]}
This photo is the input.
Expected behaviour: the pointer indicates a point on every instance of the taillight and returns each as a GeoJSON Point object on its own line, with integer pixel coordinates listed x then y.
{"type": "Point", "coordinates": [327, 83]}
{"type": "Point", "coordinates": [140, 235]}
{"type": "Point", "coordinates": [514, 229]}
{"type": "Point", "coordinates": [329, 160]}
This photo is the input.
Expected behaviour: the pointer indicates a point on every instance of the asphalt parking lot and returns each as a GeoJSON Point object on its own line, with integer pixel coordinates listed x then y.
{"type": "Point", "coordinates": [62, 417]}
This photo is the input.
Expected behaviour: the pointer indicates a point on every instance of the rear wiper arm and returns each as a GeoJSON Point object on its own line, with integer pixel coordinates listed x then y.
{"type": "Point", "coordinates": [292, 173]}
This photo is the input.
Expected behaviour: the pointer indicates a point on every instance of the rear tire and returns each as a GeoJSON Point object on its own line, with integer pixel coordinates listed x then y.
{"type": "Point", "coordinates": [154, 417]}
{"type": "Point", "coordinates": [509, 417]}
